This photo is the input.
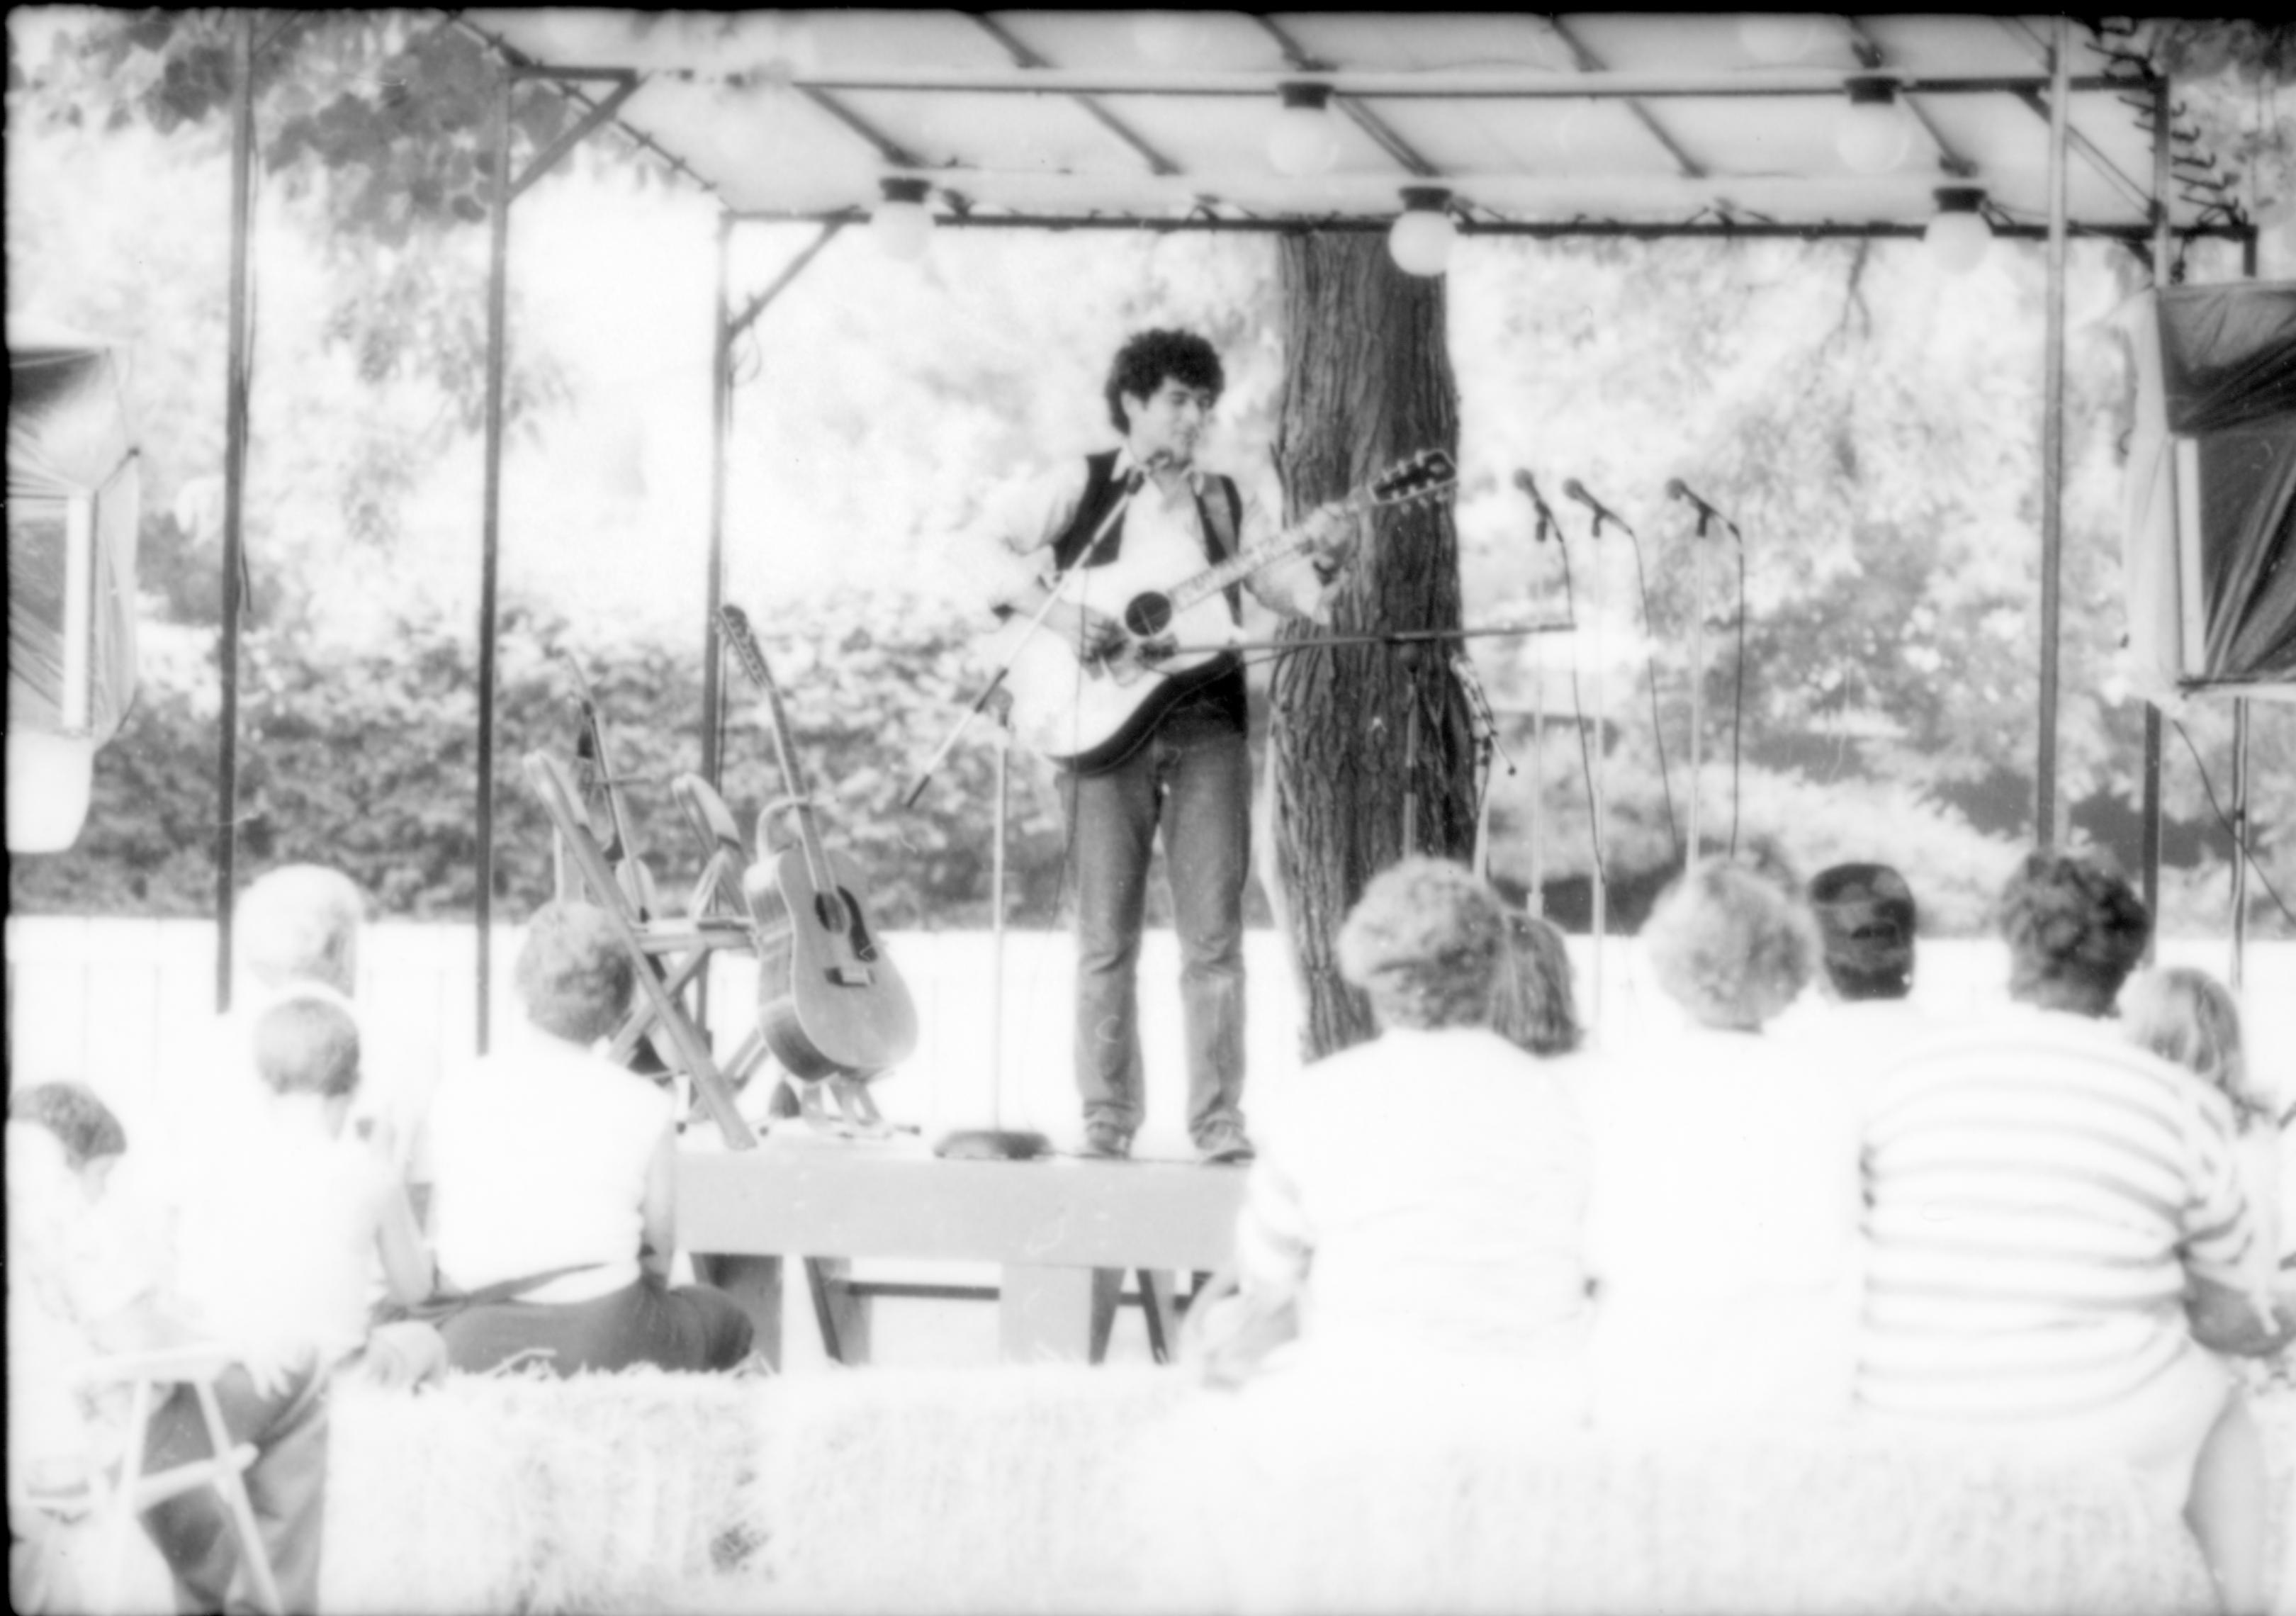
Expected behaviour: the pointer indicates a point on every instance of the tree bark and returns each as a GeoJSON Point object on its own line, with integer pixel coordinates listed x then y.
{"type": "Point", "coordinates": [1367, 381]}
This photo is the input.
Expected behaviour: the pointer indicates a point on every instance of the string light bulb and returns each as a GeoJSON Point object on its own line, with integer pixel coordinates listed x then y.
{"type": "Point", "coordinates": [903, 225]}
{"type": "Point", "coordinates": [1304, 142]}
{"type": "Point", "coordinates": [1957, 235]}
{"type": "Point", "coordinates": [1873, 134]}
{"type": "Point", "coordinates": [1423, 235]}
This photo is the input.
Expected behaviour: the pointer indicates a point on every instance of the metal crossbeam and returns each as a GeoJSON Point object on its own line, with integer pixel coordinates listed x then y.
{"type": "Point", "coordinates": [1370, 122]}
{"type": "Point", "coordinates": [1950, 158]}
{"type": "Point", "coordinates": [1589, 63]}
{"type": "Point", "coordinates": [1024, 56]}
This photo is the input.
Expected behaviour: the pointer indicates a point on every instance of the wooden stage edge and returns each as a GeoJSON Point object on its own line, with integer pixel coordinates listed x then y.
{"type": "Point", "coordinates": [1063, 1231]}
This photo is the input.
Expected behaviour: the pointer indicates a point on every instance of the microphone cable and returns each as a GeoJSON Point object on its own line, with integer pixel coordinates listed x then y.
{"type": "Point", "coordinates": [1649, 674]}
{"type": "Point", "coordinates": [1578, 712]}
{"type": "Point", "coordinates": [1738, 691]}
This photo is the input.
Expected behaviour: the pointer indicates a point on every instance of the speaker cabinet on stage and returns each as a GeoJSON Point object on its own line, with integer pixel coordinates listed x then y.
{"type": "Point", "coordinates": [2208, 537]}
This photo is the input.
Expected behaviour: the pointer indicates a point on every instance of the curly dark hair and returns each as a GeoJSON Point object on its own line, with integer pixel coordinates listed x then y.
{"type": "Point", "coordinates": [76, 1116]}
{"type": "Point", "coordinates": [573, 973]}
{"type": "Point", "coordinates": [2075, 930]}
{"type": "Point", "coordinates": [1149, 358]}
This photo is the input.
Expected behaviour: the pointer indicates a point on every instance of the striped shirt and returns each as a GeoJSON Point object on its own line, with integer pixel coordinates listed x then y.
{"type": "Point", "coordinates": [2038, 1190]}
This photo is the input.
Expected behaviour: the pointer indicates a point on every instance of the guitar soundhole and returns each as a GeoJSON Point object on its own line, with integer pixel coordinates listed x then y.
{"type": "Point", "coordinates": [1148, 615]}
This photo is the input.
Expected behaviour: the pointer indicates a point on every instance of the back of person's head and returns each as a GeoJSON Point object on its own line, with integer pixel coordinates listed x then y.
{"type": "Point", "coordinates": [1150, 358]}
{"type": "Point", "coordinates": [573, 972]}
{"type": "Point", "coordinates": [1531, 1005]}
{"type": "Point", "coordinates": [80, 1122]}
{"type": "Point", "coordinates": [2075, 929]}
{"type": "Point", "coordinates": [1866, 919]}
{"type": "Point", "coordinates": [2189, 1018]}
{"type": "Point", "coordinates": [307, 1046]}
{"type": "Point", "coordinates": [300, 923]}
{"type": "Point", "coordinates": [1731, 944]}
{"type": "Point", "coordinates": [1425, 942]}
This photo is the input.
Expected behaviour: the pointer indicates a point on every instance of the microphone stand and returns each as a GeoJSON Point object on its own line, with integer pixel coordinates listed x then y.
{"type": "Point", "coordinates": [995, 1143]}
{"type": "Point", "coordinates": [1697, 683]}
{"type": "Point", "coordinates": [1036, 620]}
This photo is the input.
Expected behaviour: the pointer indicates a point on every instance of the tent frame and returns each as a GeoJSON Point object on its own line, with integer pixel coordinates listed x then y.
{"type": "Point", "coordinates": [2049, 95]}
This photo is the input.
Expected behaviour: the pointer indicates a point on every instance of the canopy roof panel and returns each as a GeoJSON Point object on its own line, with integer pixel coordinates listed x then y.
{"type": "Point", "coordinates": [1628, 119]}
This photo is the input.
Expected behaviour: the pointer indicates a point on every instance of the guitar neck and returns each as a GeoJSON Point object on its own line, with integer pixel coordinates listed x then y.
{"type": "Point", "coordinates": [1293, 542]}
{"type": "Point", "coordinates": [736, 626]}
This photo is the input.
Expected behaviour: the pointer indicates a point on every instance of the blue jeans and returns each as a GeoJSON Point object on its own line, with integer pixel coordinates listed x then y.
{"type": "Point", "coordinates": [1192, 777]}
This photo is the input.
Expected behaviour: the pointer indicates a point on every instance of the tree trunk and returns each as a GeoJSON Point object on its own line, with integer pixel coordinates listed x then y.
{"type": "Point", "coordinates": [1367, 381]}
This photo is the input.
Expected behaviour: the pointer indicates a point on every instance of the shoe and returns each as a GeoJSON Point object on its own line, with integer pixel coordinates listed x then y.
{"type": "Point", "coordinates": [1223, 1146]}
{"type": "Point", "coordinates": [1107, 1141]}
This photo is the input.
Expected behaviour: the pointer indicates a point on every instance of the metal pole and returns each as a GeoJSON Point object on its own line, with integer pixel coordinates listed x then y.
{"type": "Point", "coordinates": [1538, 784]}
{"type": "Point", "coordinates": [498, 338]}
{"type": "Point", "coordinates": [2053, 435]}
{"type": "Point", "coordinates": [1602, 892]}
{"type": "Point", "coordinates": [2149, 849]}
{"type": "Point", "coordinates": [2238, 839]}
{"type": "Point", "coordinates": [1697, 683]}
{"type": "Point", "coordinates": [1001, 738]}
{"type": "Point", "coordinates": [235, 492]}
{"type": "Point", "coordinates": [721, 411]}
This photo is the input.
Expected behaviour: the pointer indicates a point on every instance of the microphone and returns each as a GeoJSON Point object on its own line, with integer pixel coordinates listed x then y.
{"type": "Point", "coordinates": [1530, 484]}
{"type": "Point", "coordinates": [1675, 488]}
{"type": "Point", "coordinates": [1573, 488]}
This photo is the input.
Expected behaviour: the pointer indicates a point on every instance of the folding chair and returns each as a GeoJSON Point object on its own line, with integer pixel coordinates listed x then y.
{"type": "Point", "coordinates": [117, 1501]}
{"type": "Point", "coordinates": [668, 951]}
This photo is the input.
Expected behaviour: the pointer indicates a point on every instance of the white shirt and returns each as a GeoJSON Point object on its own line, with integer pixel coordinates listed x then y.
{"type": "Point", "coordinates": [1423, 1193]}
{"type": "Point", "coordinates": [1722, 1231]}
{"type": "Point", "coordinates": [541, 1154]}
{"type": "Point", "coordinates": [276, 1239]}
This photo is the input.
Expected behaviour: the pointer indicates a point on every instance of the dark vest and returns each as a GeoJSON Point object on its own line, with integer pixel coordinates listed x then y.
{"type": "Point", "coordinates": [1101, 490]}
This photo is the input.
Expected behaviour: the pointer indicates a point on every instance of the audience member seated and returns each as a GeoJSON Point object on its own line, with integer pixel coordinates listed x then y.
{"type": "Point", "coordinates": [276, 1242]}
{"type": "Point", "coordinates": [74, 1294]}
{"type": "Point", "coordinates": [1722, 1231]}
{"type": "Point", "coordinates": [2041, 1195]}
{"type": "Point", "coordinates": [554, 1216]}
{"type": "Point", "coordinates": [2191, 1019]}
{"type": "Point", "coordinates": [1418, 1199]}
{"type": "Point", "coordinates": [1865, 1015]}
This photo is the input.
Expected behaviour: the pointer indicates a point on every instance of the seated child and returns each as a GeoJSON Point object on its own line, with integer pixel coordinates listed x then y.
{"type": "Point", "coordinates": [76, 1294]}
{"type": "Point", "coordinates": [278, 1241]}
{"type": "Point", "coordinates": [2192, 1020]}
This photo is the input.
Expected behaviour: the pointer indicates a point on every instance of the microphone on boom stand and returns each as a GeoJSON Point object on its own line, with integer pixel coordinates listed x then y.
{"type": "Point", "coordinates": [1573, 488]}
{"type": "Point", "coordinates": [1675, 488]}
{"type": "Point", "coordinates": [1546, 523]}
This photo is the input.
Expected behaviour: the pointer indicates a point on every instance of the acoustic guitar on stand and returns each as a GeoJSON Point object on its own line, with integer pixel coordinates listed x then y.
{"type": "Point", "coordinates": [844, 1012]}
{"type": "Point", "coordinates": [1091, 714]}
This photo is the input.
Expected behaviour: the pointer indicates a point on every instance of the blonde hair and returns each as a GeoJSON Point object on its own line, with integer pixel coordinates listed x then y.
{"type": "Point", "coordinates": [1731, 945]}
{"type": "Point", "coordinates": [300, 923]}
{"type": "Point", "coordinates": [2191, 1019]}
{"type": "Point", "coordinates": [1424, 942]}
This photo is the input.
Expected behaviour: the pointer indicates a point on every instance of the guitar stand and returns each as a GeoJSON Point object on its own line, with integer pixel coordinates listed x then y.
{"type": "Point", "coordinates": [685, 946]}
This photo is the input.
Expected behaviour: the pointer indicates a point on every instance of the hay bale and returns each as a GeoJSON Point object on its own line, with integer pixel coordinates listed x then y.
{"type": "Point", "coordinates": [496, 1493]}
{"type": "Point", "coordinates": [1582, 1523]}
{"type": "Point", "coordinates": [1000, 1489]}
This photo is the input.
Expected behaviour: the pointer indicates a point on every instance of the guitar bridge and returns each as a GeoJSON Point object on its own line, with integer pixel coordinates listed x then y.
{"type": "Point", "coordinates": [851, 976]}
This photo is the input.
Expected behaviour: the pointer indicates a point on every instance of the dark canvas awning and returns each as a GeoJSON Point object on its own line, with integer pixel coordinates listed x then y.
{"type": "Point", "coordinates": [73, 498]}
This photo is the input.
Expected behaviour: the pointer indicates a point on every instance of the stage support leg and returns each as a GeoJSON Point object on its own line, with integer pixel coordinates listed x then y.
{"type": "Point", "coordinates": [842, 1314]}
{"type": "Point", "coordinates": [1049, 1314]}
{"type": "Point", "coordinates": [2149, 849]}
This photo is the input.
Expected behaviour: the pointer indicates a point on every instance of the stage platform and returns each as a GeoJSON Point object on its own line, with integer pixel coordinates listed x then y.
{"type": "Point", "coordinates": [1063, 1232]}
